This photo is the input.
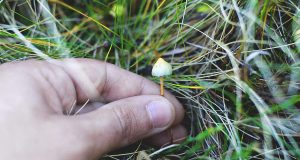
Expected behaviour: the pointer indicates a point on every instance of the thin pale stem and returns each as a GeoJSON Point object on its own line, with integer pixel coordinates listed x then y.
{"type": "Point", "coordinates": [161, 86]}
{"type": "Point", "coordinates": [161, 79]}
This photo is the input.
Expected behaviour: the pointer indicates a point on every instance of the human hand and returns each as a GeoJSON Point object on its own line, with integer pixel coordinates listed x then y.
{"type": "Point", "coordinates": [36, 95]}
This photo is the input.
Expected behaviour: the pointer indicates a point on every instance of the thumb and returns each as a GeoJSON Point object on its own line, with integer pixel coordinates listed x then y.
{"type": "Point", "coordinates": [126, 121]}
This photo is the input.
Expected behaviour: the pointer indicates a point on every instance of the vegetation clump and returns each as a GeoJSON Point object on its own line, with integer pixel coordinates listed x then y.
{"type": "Point", "coordinates": [235, 63]}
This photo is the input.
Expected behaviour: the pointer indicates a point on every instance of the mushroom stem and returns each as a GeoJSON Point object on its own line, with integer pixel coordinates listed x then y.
{"type": "Point", "coordinates": [171, 135]}
{"type": "Point", "coordinates": [161, 86]}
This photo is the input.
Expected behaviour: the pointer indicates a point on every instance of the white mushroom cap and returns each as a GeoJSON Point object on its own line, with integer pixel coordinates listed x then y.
{"type": "Point", "coordinates": [161, 68]}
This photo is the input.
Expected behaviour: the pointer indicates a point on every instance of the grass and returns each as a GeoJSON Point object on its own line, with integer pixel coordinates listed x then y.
{"type": "Point", "coordinates": [236, 63]}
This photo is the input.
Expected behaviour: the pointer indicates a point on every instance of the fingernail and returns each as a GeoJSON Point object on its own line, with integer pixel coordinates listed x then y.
{"type": "Point", "coordinates": [160, 113]}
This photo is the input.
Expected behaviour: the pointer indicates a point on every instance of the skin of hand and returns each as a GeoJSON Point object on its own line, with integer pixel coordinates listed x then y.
{"type": "Point", "coordinates": [35, 97]}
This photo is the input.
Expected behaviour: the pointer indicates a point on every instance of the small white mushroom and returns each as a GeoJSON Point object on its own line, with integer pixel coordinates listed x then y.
{"type": "Point", "coordinates": [160, 69]}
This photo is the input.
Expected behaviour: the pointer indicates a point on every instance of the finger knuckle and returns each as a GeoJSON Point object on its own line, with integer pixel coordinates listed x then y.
{"type": "Point", "coordinates": [127, 123]}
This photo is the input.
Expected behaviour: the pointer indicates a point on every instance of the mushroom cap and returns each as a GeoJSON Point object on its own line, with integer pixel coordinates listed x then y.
{"type": "Point", "coordinates": [161, 68]}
